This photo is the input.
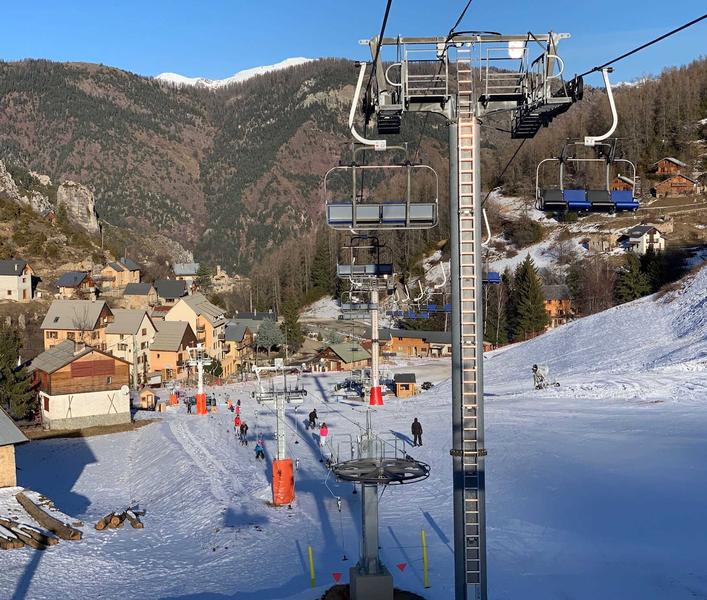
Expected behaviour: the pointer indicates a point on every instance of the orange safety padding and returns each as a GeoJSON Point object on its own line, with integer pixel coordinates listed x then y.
{"type": "Point", "coordinates": [173, 399]}
{"type": "Point", "coordinates": [283, 482]}
{"type": "Point", "coordinates": [376, 398]}
{"type": "Point", "coordinates": [201, 404]}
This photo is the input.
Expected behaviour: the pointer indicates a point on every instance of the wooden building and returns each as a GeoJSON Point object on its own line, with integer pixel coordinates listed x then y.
{"type": "Point", "coordinates": [117, 275]}
{"type": "Point", "coordinates": [558, 305]}
{"type": "Point", "coordinates": [622, 183]}
{"type": "Point", "coordinates": [677, 185]}
{"type": "Point", "coordinates": [405, 384]}
{"type": "Point", "coordinates": [76, 284]}
{"type": "Point", "coordinates": [80, 320]}
{"type": "Point", "coordinates": [668, 166]}
{"type": "Point", "coordinates": [140, 296]}
{"type": "Point", "coordinates": [415, 343]}
{"type": "Point", "coordinates": [344, 357]}
{"type": "Point", "coordinates": [80, 386]}
{"type": "Point", "coordinates": [10, 436]}
{"type": "Point", "coordinates": [148, 399]}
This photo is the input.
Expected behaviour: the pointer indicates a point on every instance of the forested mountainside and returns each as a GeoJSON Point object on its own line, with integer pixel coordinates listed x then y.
{"type": "Point", "coordinates": [235, 174]}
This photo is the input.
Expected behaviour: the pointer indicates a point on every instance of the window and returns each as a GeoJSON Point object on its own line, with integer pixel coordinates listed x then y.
{"type": "Point", "coordinates": [70, 335]}
{"type": "Point", "coordinates": [52, 335]}
{"type": "Point", "coordinates": [144, 331]}
{"type": "Point", "coordinates": [143, 345]}
{"type": "Point", "coordinates": [122, 337]}
{"type": "Point", "coordinates": [109, 380]}
{"type": "Point", "coordinates": [9, 292]}
{"type": "Point", "coordinates": [46, 404]}
{"type": "Point", "coordinates": [158, 355]}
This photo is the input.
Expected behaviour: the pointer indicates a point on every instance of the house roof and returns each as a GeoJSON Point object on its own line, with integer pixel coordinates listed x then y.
{"type": "Point", "coordinates": [137, 289]}
{"type": "Point", "coordinates": [350, 351]}
{"type": "Point", "coordinates": [625, 179]}
{"type": "Point", "coordinates": [556, 292]}
{"type": "Point", "coordinates": [170, 288]}
{"type": "Point", "coordinates": [126, 321]}
{"type": "Point", "coordinates": [202, 307]}
{"type": "Point", "coordinates": [64, 353]}
{"type": "Point", "coordinates": [404, 378]}
{"type": "Point", "coordinates": [72, 279]}
{"type": "Point", "coordinates": [640, 230]}
{"type": "Point", "coordinates": [117, 267]}
{"type": "Point", "coordinates": [9, 432]}
{"type": "Point", "coordinates": [129, 264]}
{"type": "Point", "coordinates": [256, 316]}
{"type": "Point", "coordinates": [183, 269]}
{"type": "Point", "coordinates": [252, 324]}
{"type": "Point", "coordinates": [170, 334]}
{"type": "Point", "coordinates": [235, 331]}
{"type": "Point", "coordinates": [73, 314]}
{"type": "Point", "coordinates": [678, 176]}
{"type": "Point", "coordinates": [675, 161]}
{"type": "Point", "coordinates": [12, 267]}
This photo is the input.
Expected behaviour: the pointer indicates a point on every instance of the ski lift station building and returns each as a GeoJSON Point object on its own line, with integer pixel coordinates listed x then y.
{"type": "Point", "coordinates": [80, 386]}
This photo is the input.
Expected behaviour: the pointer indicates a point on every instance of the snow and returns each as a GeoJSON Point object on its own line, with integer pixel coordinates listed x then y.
{"type": "Point", "coordinates": [323, 309]}
{"type": "Point", "coordinates": [594, 489]}
{"type": "Point", "coordinates": [541, 253]}
{"type": "Point", "coordinates": [177, 79]}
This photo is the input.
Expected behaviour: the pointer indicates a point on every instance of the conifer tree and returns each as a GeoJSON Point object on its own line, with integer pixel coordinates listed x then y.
{"type": "Point", "coordinates": [16, 395]}
{"type": "Point", "coordinates": [291, 327]}
{"type": "Point", "coordinates": [529, 314]}
{"type": "Point", "coordinates": [632, 282]}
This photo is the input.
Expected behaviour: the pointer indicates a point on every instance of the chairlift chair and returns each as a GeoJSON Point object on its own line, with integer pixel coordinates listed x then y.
{"type": "Point", "coordinates": [404, 211]}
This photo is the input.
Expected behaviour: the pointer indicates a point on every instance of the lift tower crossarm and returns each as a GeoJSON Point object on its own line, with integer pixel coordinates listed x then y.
{"type": "Point", "coordinates": [477, 38]}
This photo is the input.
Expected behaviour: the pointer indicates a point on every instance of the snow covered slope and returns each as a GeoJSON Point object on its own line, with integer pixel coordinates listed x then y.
{"type": "Point", "coordinates": [177, 79]}
{"type": "Point", "coordinates": [594, 489]}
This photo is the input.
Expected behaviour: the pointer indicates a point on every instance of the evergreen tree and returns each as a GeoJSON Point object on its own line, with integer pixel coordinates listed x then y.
{"type": "Point", "coordinates": [203, 279]}
{"type": "Point", "coordinates": [495, 313]}
{"type": "Point", "coordinates": [632, 282]}
{"type": "Point", "coordinates": [291, 327]}
{"type": "Point", "coordinates": [16, 394]}
{"type": "Point", "coordinates": [529, 314]}
{"type": "Point", "coordinates": [269, 335]}
{"type": "Point", "coordinates": [322, 274]}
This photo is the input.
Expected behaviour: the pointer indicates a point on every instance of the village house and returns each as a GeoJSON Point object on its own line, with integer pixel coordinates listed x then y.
{"type": "Point", "coordinates": [558, 305]}
{"type": "Point", "coordinates": [206, 319]}
{"type": "Point", "coordinates": [80, 320]}
{"type": "Point", "coordinates": [642, 239]}
{"type": "Point", "coordinates": [238, 349]}
{"type": "Point", "coordinates": [677, 185]}
{"type": "Point", "coordinates": [417, 343]}
{"type": "Point", "coordinates": [169, 291]}
{"type": "Point", "coordinates": [405, 384]}
{"type": "Point", "coordinates": [80, 386]}
{"type": "Point", "coordinates": [50, 215]}
{"type": "Point", "coordinates": [622, 183]}
{"type": "Point", "coordinates": [16, 280]}
{"type": "Point", "coordinates": [10, 436]}
{"type": "Point", "coordinates": [601, 241]}
{"type": "Point", "coordinates": [168, 351]}
{"type": "Point", "coordinates": [117, 275]}
{"type": "Point", "coordinates": [668, 166]}
{"type": "Point", "coordinates": [186, 272]}
{"type": "Point", "coordinates": [129, 337]}
{"type": "Point", "coordinates": [344, 357]}
{"type": "Point", "coordinates": [76, 284]}
{"type": "Point", "coordinates": [140, 296]}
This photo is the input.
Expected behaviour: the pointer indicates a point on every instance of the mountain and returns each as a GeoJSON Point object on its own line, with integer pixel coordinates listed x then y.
{"type": "Point", "coordinates": [212, 84]}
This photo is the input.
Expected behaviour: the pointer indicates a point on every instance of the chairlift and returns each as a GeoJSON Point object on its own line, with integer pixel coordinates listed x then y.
{"type": "Point", "coordinates": [364, 257]}
{"type": "Point", "coordinates": [404, 211]}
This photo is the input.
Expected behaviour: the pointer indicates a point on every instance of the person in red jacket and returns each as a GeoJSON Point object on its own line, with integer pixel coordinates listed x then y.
{"type": "Point", "coordinates": [237, 423]}
{"type": "Point", "coordinates": [323, 433]}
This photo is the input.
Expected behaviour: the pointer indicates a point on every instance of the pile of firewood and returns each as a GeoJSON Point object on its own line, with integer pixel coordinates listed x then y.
{"type": "Point", "coordinates": [115, 520]}
{"type": "Point", "coordinates": [14, 534]}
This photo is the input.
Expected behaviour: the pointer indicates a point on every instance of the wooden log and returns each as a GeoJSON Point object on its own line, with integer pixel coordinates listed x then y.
{"type": "Point", "coordinates": [33, 532]}
{"type": "Point", "coordinates": [116, 520]}
{"type": "Point", "coordinates": [103, 523]}
{"type": "Point", "coordinates": [47, 521]}
{"type": "Point", "coordinates": [25, 539]}
{"type": "Point", "coordinates": [134, 520]}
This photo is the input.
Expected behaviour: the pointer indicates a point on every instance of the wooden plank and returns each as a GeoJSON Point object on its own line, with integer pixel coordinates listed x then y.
{"type": "Point", "coordinates": [47, 521]}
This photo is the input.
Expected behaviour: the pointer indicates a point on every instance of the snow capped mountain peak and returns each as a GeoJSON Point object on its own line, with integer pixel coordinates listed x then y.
{"type": "Point", "coordinates": [177, 79]}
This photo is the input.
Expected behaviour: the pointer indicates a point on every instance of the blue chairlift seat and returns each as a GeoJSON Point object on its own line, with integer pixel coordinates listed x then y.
{"type": "Point", "coordinates": [372, 270]}
{"type": "Point", "coordinates": [448, 308]}
{"type": "Point", "coordinates": [624, 200]}
{"type": "Point", "coordinates": [492, 277]}
{"type": "Point", "coordinates": [432, 308]}
{"type": "Point", "coordinates": [389, 215]}
{"type": "Point", "coordinates": [576, 200]}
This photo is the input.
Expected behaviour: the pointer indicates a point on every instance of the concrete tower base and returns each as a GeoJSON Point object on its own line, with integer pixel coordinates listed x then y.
{"type": "Point", "coordinates": [370, 587]}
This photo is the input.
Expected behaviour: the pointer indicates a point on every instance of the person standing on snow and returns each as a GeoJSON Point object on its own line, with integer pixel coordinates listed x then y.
{"type": "Point", "coordinates": [323, 433]}
{"type": "Point", "coordinates": [416, 433]}
{"type": "Point", "coordinates": [237, 423]}
{"type": "Point", "coordinates": [259, 450]}
{"type": "Point", "coordinates": [313, 419]}
{"type": "Point", "coordinates": [238, 410]}
{"type": "Point", "coordinates": [230, 405]}
{"type": "Point", "coordinates": [244, 434]}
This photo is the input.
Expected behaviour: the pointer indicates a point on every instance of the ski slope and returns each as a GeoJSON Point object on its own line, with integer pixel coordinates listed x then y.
{"type": "Point", "coordinates": [595, 489]}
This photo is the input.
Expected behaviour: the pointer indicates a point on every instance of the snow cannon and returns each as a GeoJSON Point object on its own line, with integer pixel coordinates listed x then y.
{"type": "Point", "coordinates": [376, 398]}
{"type": "Point", "coordinates": [201, 404]}
{"type": "Point", "coordinates": [283, 482]}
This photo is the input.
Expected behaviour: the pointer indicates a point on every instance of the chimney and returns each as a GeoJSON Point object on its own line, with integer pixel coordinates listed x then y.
{"type": "Point", "coordinates": [79, 347]}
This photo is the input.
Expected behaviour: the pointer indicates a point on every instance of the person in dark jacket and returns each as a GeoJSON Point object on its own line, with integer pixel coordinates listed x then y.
{"type": "Point", "coordinates": [313, 419]}
{"type": "Point", "coordinates": [416, 433]}
{"type": "Point", "coordinates": [244, 434]}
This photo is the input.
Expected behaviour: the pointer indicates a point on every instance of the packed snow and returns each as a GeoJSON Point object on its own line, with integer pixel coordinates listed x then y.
{"type": "Point", "coordinates": [177, 79]}
{"type": "Point", "coordinates": [595, 489]}
{"type": "Point", "coordinates": [323, 309]}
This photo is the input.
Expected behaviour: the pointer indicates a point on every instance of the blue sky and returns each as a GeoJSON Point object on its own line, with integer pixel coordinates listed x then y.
{"type": "Point", "coordinates": [215, 38]}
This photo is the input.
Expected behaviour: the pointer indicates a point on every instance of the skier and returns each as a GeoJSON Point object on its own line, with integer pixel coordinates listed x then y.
{"type": "Point", "coordinates": [259, 450]}
{"type": "Point", "coordinates": [416, 433]}
{"type": "Point", "coordinates": [244, 434]}
{"type": "Point", "coordinates": [188, 403]}
{"type": "Point", "coordinates": [238, 410]}
{"type": "Point", "coordinates": [237, 423]}
{"type": "Point", "coordinates": [230, 405]}
{"type": "Point", "coordinates": [323, 433]}
{"type": "Point", "coordinates": [312, 419]}
{"type": "Point", "coordinates": [238, 403]}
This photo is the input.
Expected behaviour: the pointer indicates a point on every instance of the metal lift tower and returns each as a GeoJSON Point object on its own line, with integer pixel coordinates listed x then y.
{"type": "Point", "coordinates": [489, 73]}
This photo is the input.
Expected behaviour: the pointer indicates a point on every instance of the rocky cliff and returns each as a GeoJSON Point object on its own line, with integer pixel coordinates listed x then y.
{"type": "Point", "coordinates": [80, 206]}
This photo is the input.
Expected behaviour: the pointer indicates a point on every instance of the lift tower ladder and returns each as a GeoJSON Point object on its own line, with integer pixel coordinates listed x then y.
{"type": "Point", "coordinates": [469, 315]}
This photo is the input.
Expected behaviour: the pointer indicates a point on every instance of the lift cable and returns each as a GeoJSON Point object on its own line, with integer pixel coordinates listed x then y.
{"type": "Point", "coordinates": [503, 172]}
{"type": "Point", "coordinates": [641, 47]}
